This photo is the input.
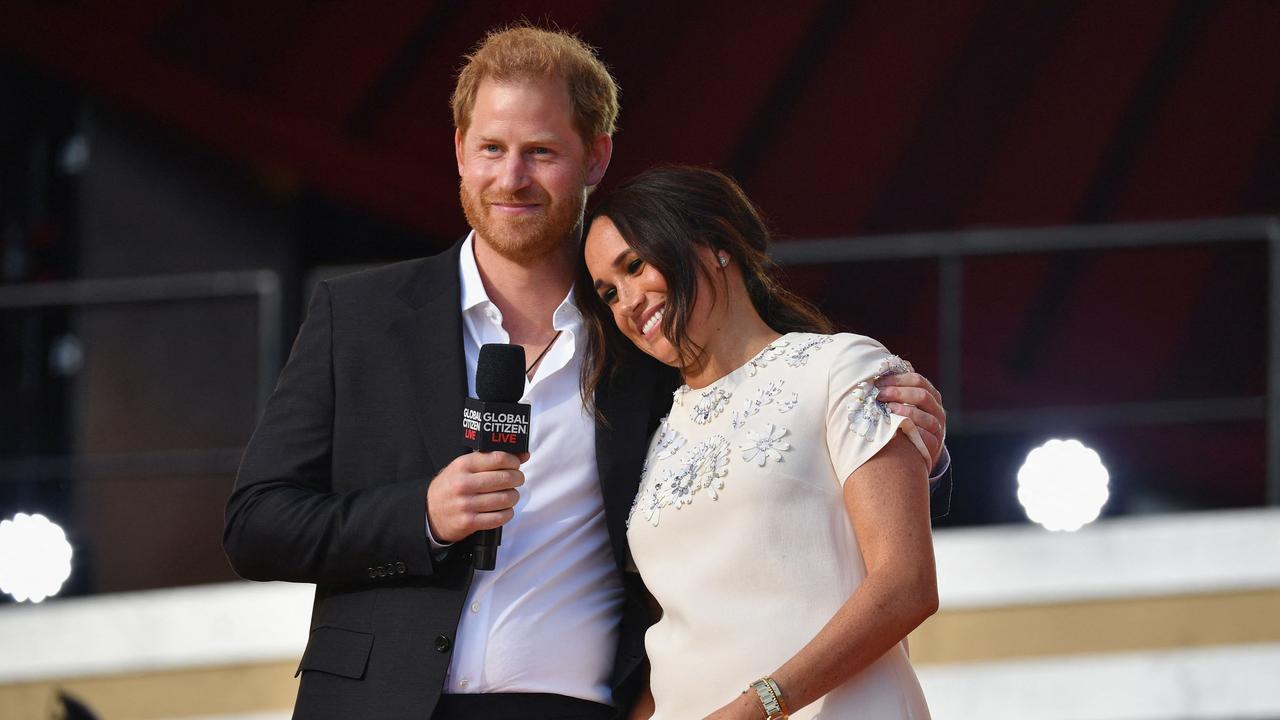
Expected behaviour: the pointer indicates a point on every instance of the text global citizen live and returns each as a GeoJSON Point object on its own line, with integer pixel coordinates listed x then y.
{"type": "Point", "coordinates": [490, 426]}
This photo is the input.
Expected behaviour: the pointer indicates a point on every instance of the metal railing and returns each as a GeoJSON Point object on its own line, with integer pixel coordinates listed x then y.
{"type": "Point", "coordinates": [262, 285]}
{"type": "Point", "coordinates": [950, 249]}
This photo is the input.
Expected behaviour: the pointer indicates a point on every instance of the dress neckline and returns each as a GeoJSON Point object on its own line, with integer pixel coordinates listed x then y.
{"type": "Point", "coordinates": [780, 341]}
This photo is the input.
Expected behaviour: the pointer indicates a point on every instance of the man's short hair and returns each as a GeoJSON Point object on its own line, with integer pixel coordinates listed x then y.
{"type": "Point", "coordinates": [524, 52]}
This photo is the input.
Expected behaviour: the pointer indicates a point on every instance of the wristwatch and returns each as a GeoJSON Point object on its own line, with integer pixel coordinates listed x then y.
{"type": "Point", "coordinates": [770, 698]}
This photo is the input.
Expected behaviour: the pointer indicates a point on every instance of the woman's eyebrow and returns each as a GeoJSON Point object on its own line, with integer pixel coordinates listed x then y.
{"type": "Point", "coordinates": [617, 261]}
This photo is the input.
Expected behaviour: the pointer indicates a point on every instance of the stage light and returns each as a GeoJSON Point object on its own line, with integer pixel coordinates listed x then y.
{"type": "Point", "coordinates": [35, 557]}
{"type": "Point", "coordinates": [1063, 485]}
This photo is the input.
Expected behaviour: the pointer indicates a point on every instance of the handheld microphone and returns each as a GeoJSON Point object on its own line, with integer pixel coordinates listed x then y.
{"type": "Point", "coordinates": [497, 420]}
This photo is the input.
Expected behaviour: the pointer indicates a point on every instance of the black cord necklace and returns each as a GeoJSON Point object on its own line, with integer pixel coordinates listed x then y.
{"type": "Point", "coordinates": [538, 359]}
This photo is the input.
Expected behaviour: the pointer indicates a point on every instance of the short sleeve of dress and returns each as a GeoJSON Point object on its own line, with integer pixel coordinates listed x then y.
{"type": "Point", "coordinates": [858, 424]}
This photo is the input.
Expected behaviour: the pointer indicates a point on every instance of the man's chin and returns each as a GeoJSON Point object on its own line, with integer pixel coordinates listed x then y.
{"type": "Point", "coordinates": [527, 238]}
{"type": "Point", "coordinates": [517, 228]}
{"type": "Point", "coordinates": [524, 247]}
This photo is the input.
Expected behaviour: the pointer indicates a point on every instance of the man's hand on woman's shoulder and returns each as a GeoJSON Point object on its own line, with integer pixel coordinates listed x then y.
{"type": "Point", "coordinates": [913, 396]}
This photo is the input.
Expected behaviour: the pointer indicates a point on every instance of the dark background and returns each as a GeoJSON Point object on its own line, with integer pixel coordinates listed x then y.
{"type": "Point", "coordinates": [174, 136]}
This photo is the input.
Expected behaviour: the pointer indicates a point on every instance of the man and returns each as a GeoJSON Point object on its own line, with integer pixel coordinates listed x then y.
{"type": "Point", "coordinates": [355, 479]}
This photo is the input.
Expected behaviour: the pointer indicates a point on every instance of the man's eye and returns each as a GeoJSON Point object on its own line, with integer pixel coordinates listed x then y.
{"type": "Point", "coordinates": [490, 148]}
{"type": "Point", "coordinates": [541, 151]}
{"type": "Point", "coordinates": [634, 266]}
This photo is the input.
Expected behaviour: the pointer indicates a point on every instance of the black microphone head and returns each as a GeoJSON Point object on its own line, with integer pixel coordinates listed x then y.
{"type": "Point", "coordinates": [500, 373]}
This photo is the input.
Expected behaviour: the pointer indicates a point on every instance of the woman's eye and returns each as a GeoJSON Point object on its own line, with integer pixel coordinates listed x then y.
{"type": "Point", "coordinates": [634, 266]}
{"type": "Point", "coordinates": [608, 296]}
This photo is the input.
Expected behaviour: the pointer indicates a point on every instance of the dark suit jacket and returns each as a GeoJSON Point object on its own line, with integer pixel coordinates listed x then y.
{"type": "Point", "coordinates": [332, 488]}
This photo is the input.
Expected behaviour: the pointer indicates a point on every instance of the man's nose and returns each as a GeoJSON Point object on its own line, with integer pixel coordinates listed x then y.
{"type": "Point", "coordinates": [513, 176]}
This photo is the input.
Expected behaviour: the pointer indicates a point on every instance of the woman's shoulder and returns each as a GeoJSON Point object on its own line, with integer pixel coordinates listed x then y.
{"type": "Point", "coordinates": [832, 344]}
{"type": "Point", "coordinates": [845, 354]}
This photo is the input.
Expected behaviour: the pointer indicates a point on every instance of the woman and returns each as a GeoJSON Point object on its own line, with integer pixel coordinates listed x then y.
{"type": "Point", "coordinates": [782, 521]}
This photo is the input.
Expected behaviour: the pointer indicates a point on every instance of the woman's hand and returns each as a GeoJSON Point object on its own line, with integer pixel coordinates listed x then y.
{"type": "Point", "coordinates": [744, 707]}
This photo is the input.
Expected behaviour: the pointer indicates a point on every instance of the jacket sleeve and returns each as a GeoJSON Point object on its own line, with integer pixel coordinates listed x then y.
{"type": "Point", "coordinates": [284, 520]}
{"type": "Point", "coordinates": [940, 490]}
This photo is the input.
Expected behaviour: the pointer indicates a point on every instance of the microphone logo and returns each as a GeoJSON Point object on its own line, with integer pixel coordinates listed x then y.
{"type": "Point", "coordinates": [490, 426]}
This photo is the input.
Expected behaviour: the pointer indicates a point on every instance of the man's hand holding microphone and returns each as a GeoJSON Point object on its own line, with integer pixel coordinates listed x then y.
{"type": "Point", "coordinates": [476, 493]}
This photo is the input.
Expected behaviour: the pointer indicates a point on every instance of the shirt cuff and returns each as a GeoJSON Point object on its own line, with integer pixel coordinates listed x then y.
{"type": "Point", "coordinates": [438, 549]}
{"type": "Point", "coordinates": [944, 464]}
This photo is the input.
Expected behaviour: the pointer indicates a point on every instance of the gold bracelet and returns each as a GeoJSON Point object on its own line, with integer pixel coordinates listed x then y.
{"type": "Point", "coordinates": [770, 697]}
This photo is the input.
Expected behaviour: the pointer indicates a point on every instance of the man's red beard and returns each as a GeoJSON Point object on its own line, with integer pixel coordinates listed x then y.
{"type": "Point", "coordinates": [525, 239]}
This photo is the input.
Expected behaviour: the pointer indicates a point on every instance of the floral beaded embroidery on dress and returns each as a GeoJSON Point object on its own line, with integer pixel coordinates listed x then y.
{"type": "Point", "coordinates": [757, 400]}
{"type": "Point", "coordinates": [703, 468]}
{"type": "Point", "coordinates": [667, 442]}
{"type": "Point", "coordinates": [705, 465]}
{"type": "Point", "coordinates": [798, 355]}
{"type": "Point", "coordinates": [765, 444]}
{"type": "Point", "coordinates": [772, 351]}
{"type": "Point", "coordinates": [711, 402]}
{"type": "Point", "coordinates": [865, 411]}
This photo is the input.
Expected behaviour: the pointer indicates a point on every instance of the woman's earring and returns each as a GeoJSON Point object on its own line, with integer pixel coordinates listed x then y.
{"type": "Point", "coordinates": [724, 260]}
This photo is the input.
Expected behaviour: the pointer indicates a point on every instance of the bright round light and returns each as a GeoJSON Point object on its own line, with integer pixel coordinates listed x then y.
{"type": "Point", "coordinates": [1063, 485]}
{"type": "Point", "coordinates": [35, 557]}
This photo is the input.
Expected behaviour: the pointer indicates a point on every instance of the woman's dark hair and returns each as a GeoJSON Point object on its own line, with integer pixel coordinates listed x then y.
{"type": "Point", "coordinates": [664, 214]}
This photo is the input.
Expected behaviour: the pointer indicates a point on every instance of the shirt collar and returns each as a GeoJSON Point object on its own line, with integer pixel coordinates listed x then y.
{"type": "Point", "coordinates": [566, 317]}
{"type": "Point", "coordinates": [473, 293]}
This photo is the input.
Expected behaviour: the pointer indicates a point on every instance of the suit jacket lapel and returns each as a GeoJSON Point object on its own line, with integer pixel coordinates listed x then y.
{"type": "Point", "coordinates": [431, 333]}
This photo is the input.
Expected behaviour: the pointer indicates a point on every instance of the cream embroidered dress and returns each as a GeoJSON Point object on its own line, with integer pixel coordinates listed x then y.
{"type": "Point", "coordinates": [740, 530]}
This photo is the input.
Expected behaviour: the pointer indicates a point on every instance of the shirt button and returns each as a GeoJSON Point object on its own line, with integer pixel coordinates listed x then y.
{"type": "Point", "coordinates": [463, 683]}
{"type": "Point", "coordinates": [475, 607]}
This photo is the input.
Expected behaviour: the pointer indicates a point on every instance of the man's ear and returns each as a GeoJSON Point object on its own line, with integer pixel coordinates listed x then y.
{"type": "Point", "coordinates": [457, 147]}
{"type": "Point", "coordinates": [598, 155]}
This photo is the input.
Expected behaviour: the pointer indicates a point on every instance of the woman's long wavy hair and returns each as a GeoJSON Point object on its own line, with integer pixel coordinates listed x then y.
{"type": "Point", "coordinates": [664, 214]}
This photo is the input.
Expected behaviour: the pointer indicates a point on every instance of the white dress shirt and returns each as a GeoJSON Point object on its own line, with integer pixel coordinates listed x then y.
{"type": "Point", "coordinates": [546, 618]}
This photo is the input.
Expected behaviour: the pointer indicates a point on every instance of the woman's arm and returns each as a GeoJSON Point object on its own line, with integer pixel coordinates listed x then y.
{"type": "Point", "coordinates": [887, 498]}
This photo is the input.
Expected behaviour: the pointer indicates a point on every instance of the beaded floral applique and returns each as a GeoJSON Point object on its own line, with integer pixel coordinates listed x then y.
{"type": "Point", "coordinates": [704, 468]}
{"type": "Point", "coordinates": [796, 352]}
{"type": "Point", "coordinates": [771, 352]}
{"type": "Point", "coordinates": [788, 405]}
{"type": "Point", "coordinates": [761, 397]}
{"type": "Point", "coordinates": [799, 354]}
{"type": "Point", "coordinates": [666, 443]}
{"type": "Point", "coordinates": [765, 445]}
{"type": "Point", "coordinates": [865, 410]}
{"type": "Point", "coordinates": [711, 402]}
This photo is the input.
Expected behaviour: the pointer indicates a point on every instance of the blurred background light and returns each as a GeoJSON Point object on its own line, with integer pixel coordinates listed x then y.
{"type": "Point", "coordinates": [35, 557]}
{"type": "Point", "coordinates": [1063, 485]}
